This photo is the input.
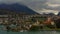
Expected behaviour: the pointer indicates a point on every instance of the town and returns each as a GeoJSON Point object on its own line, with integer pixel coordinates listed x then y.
{"type": "Point", "coordinates": [12, 21]}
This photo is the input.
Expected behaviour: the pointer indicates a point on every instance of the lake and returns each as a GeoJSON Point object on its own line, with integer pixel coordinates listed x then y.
{"type": "Point", "coordinates": [31, 32]}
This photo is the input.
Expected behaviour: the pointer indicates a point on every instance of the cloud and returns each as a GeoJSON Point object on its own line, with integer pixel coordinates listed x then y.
{"type": "Point", "coordinates": [9, 1]}
{"type": "Point", "coordinates": [53, 5]}
{"type": "Point", "coordinates": [33, 4]}
{"type": "Point", "coordinates": [50, 6]}
{"type": "Point", "coordinates": [37, 5]}
{"type": "Point", "coordinates": [54, 1]}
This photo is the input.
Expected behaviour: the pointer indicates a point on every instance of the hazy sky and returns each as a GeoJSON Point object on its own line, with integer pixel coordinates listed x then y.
{"type": "Point", "coordinates": [39, 6]}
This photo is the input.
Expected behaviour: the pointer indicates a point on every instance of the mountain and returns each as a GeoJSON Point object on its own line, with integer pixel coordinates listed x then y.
{"type": "Point", "coordinates": [19, 8]}
{"type": "Point", "coordinates": [49, 14]}
{"type": "Point", "coordinates": [6, 11]}
{"type": "Point", "coordinates": [59, 14]}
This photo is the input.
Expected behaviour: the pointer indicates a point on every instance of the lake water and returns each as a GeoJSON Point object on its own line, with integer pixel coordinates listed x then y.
{"type": "Point", "coordinates": [31, 32]}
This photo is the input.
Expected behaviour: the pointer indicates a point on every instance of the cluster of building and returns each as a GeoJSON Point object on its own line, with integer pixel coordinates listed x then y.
{"type": "Point", "coordinates": [18, 22]}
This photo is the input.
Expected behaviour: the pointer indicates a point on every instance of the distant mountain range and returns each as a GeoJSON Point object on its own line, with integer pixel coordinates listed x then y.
{"type": "Point", "coordinates": [17, 8]}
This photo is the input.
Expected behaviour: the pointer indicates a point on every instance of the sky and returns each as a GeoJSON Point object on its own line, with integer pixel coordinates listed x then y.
{"type": "Point", "coordinates": [40, 6]}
